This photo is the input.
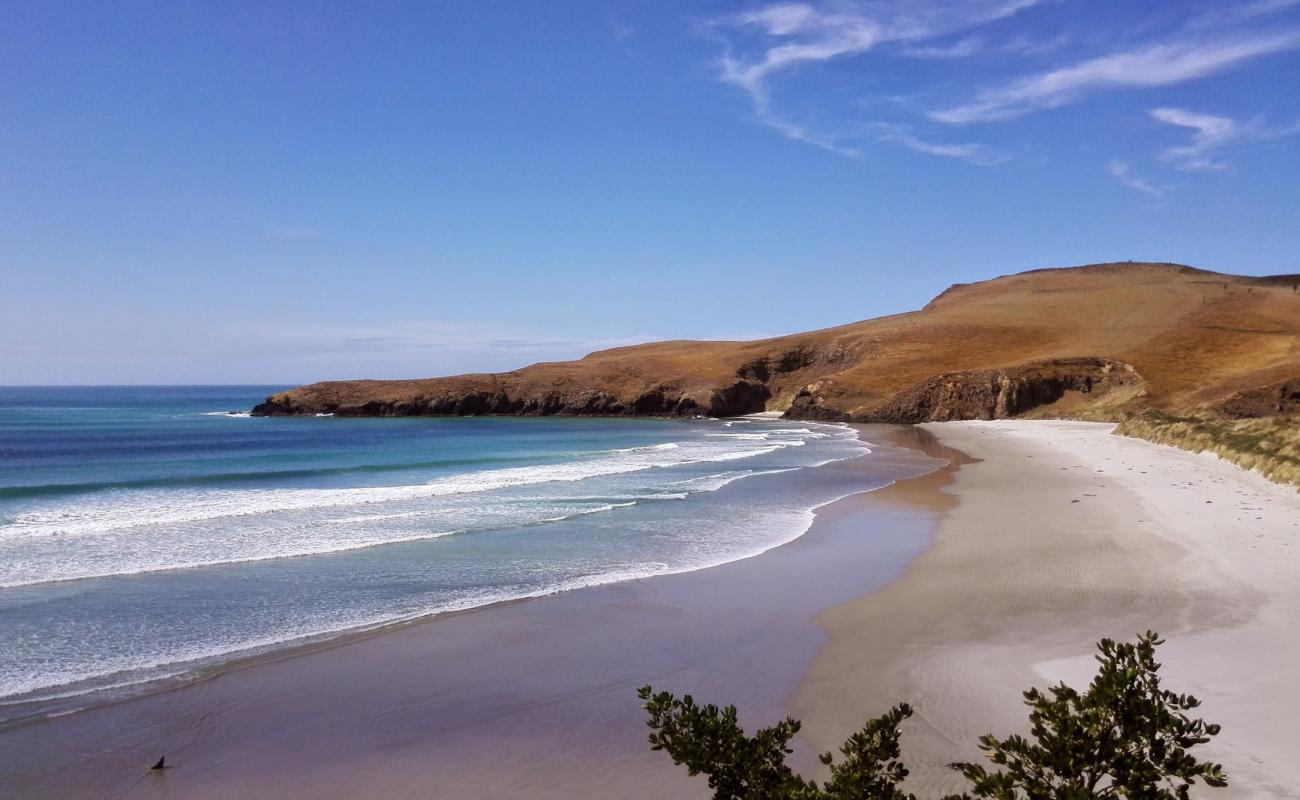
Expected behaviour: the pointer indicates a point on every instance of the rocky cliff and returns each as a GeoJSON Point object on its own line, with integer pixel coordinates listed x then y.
{"type": "Point", "coordinates": [1101, 341]}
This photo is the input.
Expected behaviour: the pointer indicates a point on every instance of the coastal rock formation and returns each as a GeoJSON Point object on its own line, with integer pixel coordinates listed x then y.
{"type": "Point", "coordinates": [1003, 393]}
{"type": "Point", "coordinates": [1275, 399]}
{"type": "Point", "coordinates": [1101, 342]}
{"type": "Point", "coordinates": [740, 397]}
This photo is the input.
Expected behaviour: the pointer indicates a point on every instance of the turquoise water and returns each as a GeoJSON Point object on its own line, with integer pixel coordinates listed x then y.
{"type": "Point", "coordinates": [148, 532]}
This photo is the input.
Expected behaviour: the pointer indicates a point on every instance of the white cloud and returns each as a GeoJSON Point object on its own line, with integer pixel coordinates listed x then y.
{"type": "Point", "coordinates": [1121, 172]}
{"type": "Point", "coordinates": [1233, 13]}
{"type": "Point", "coordinates": [809, 34]}
{"type": "Point", "coordinates": [417, 338]}
{"type": "Point", "coordinates": [1154, 65]}
{"type": "Point", "coordinates": [962, 48]}
{"type": "Point", "coordinates": [1210, 132]}
{"type": "Point", "coordinates": [797, 34]}
{"type": "Point", "coordinates": [977, 154]}
{"type": "Point", "coordinates": [800, 134]}
{"type": "Point", "coordinates": [768, 44]}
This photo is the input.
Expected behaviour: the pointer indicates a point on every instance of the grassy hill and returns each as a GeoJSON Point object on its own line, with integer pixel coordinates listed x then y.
{"type": "Point", "coordinates": [1105, 341]}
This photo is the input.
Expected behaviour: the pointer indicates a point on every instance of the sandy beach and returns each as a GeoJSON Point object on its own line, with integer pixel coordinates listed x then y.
{"type": "Point", "coordinates": [1014, 546]}
{"type": "Point", "coordinates": [1058, 535]}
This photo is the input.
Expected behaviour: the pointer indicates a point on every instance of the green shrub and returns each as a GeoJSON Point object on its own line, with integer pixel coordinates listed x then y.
{"type": "Point", "coordinates": [1124, 737]}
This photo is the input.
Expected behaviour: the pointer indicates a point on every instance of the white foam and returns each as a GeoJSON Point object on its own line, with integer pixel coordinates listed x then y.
{"type": "Point", "coordinates": [125, 532]}
{"type": "Point", "coordinates": [125, 508]}
{"type": "Point", "coordinates": [131, 531]}
{"type": "Point", "coordinates": [712, 483]}
{"type": "Point", "coordinates": [44, 561]}
{"type": "Point", "coordinates": [34, 572]}
{"type": "Point", "coordinates": [596, 510]}
{"type": "Point", "coordinates": [646, 448]}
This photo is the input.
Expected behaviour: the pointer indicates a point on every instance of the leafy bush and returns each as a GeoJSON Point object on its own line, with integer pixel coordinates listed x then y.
{"type": "Point", "coordinates": [1124, 737]}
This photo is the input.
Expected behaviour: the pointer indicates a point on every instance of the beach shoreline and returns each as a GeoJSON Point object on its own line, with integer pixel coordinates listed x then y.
{"type": "Point", "coordinates": [1057, 535]}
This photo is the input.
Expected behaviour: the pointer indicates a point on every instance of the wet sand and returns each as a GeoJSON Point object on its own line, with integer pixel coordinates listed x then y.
{"type": "Point", "coordinates": [529, 699]}
{"type": "Point", "coordinates": [1059, 534]}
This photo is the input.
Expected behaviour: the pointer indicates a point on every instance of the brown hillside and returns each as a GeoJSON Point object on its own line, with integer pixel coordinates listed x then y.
{"type": "Point", "coordinates": [1097, 341]}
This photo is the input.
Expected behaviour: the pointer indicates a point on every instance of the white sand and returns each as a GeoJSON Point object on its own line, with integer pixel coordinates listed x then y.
{"type": "Point", "coordinates": [1245, 528]}
{"type": "Point", "coordinates": [1062, 534]}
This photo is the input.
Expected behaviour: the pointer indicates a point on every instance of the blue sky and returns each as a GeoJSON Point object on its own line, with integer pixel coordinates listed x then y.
{"type": "Point", "coordinates": [285, 192]}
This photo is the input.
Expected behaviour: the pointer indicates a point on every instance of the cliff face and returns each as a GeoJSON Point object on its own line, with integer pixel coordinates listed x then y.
{"type": "Point", "coordinates": [741, 397]}
{"type": "Point", "coordinates": [1002, 393]}
{"type": "Point", "coordinates": [1276, 399]}
{"type": "Point", "coordinates": [1098, 341]}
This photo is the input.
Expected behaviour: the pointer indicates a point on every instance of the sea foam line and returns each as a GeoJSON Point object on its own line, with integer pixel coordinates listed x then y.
{"type": "Point", "coordinates": [168, 557]}
{"type": "Point", "coordinates": [122, 509]}
{"type": "Point", "coordinates": [167, 560]}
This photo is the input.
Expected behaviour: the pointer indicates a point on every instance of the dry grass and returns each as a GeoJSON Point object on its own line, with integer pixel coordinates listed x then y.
{"type": "Point", "coordinates": [1195, 337]}
{"type": "Point", "coordinates": [1269, 445]}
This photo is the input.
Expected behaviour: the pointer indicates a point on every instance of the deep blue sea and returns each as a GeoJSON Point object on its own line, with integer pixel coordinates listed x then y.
{"type": "Point", "coordinates": [147, 532]}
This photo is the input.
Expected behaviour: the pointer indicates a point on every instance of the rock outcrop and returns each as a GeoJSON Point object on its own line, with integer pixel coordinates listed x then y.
{"type": "Point", "coordinates": [1275, 399]}
{"type": "Point", "coordinates": [735, 399]}
{"type": "Point", "coordinates": [1003, 393]}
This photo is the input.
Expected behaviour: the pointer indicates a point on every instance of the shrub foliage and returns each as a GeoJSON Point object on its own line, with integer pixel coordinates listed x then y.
{"type": "Point", "coordinates": [1124, 737]}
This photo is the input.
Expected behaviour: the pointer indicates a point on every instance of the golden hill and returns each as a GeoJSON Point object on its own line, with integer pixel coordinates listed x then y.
{"type": "Point", "coordinates": [1100, 342]}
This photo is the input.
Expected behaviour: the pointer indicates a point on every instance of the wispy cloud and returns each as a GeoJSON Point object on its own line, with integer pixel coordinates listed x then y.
{"type": "Point", "coordinates": [1211, 132]}
{"type": "Point", "coordinates": [962, 48]}
{"type": "Point", "coordinates": [415, 340]}
{"type": "Point", "coordinates": [808, 35]}
{"type": "Point", "coordinates": [772, 48]}
{"type": "Point", "coordinates": [1160, 64]}
{"type": "Point", "coordinates": [1238, 12]}
{"type": "Point", "coordinates": [798, 34]}
{"type": "Point", "coordinates": [977, 154]}
{"type": "Point", "coordinates": [1124, 175]}
{"type": "Point", "coordinates": [798, 133]}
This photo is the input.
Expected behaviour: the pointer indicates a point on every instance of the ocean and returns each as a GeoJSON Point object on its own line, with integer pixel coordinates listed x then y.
{"type": "Point", "coordinates": [148, 534]}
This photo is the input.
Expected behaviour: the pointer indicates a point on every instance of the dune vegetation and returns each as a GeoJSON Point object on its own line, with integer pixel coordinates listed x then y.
{"type": "Point", "coordinates": [1268, 445]}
